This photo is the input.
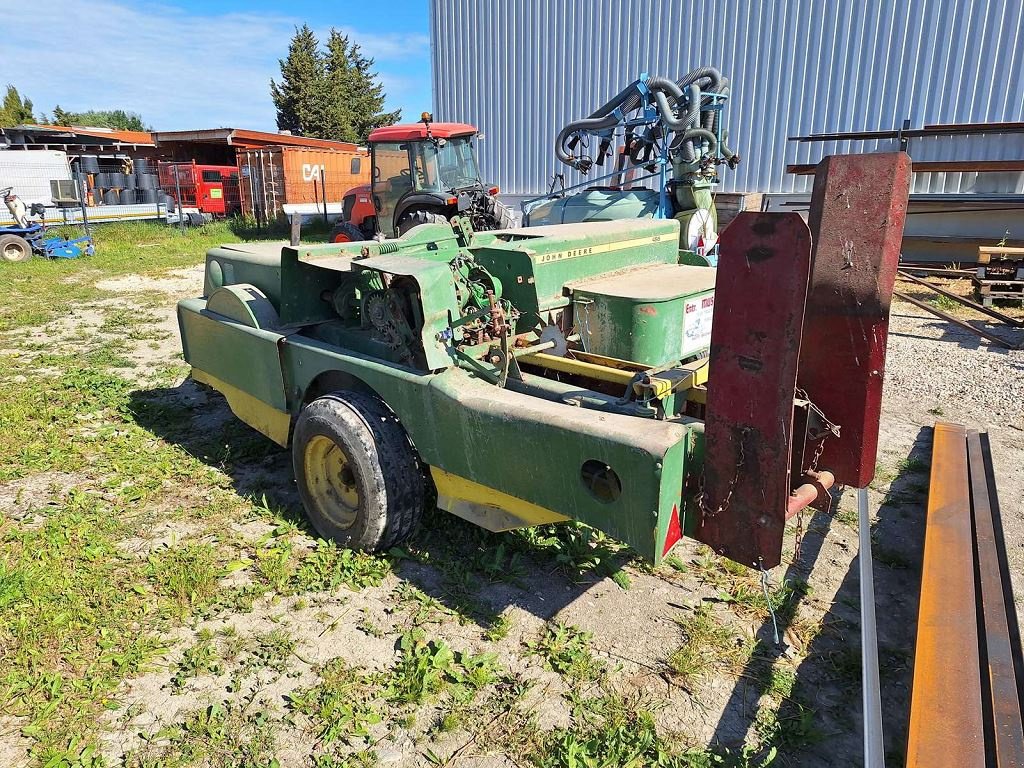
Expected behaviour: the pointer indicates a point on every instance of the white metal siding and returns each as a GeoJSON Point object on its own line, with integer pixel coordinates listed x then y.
{"type": "Point", "coordinates": [30, 172]}
{"type": "Point", "coordinates": [521, 69]}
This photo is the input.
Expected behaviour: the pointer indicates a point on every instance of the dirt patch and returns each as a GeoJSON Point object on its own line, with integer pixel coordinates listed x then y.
{"type": "Point", "coordinates": [177, 283]}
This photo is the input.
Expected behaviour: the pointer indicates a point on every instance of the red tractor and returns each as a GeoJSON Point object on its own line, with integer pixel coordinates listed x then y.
{"type": "Point", "coordinates": [422, 172]}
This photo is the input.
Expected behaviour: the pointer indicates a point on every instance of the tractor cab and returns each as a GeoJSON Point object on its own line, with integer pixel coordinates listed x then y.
{"type": "Point", "coordinates": [422, 173]}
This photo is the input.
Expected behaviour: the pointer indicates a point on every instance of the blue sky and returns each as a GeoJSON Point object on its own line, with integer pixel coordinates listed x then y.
{"type": "Point", "coordinates": [191, 64]}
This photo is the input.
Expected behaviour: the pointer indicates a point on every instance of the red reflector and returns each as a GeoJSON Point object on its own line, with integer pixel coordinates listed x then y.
{"type": "Point", "coordinates": [452, 201]}
{"type": "Point", "coordinates": [675, 531]}
{"type": "Point", "coordinates": [493, 191]}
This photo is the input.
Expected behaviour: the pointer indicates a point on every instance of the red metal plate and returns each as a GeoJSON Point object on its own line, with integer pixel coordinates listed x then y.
{"type": "Point", "coordinates": [857, 212]}
{"type": "Point", "coordinates": [760, 294]}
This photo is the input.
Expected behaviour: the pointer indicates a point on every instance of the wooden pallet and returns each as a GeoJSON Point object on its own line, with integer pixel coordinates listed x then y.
{"type": "Point", "coordinates": [990, 290]}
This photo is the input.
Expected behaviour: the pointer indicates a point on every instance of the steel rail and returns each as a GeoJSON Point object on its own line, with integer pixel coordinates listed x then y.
{"type": "Point", "coordinates": [874, 744]}
{"type": "Point", "coordinates": [1011, 321]}
{"type": "Point", "coordinates": [949, 318]}
{"type": "Point", "coordinates": [1006, 732]}
{"type": "Point", "coordinates": [946, 724]}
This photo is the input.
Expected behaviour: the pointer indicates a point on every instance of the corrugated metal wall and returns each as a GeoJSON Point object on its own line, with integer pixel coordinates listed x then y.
{"type": "Point", "coordinates": [521, 69]}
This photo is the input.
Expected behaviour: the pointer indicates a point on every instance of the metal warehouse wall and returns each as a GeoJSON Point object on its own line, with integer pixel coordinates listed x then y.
{"type": "Point", "coordinates": [521, 69]}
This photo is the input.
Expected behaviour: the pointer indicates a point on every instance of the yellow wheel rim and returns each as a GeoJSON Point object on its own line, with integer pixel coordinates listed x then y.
{"type": "Point", "coordinates": [331, 480]}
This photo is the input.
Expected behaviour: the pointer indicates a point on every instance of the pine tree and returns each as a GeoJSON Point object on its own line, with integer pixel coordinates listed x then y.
{"type": "Point", "coordinates": [339, 79]}
{"type": "Point", "coordinates": [299, 97]}
{"type": "Point", "coordinates": [367, 97]}
{"type": "Point", "coordinates": [62, 116]}
{"type": "Point", "coordinates": [15, 110]}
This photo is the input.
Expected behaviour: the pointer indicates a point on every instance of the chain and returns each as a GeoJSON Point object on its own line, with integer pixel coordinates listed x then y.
{"type": "Point", "coordinates": [701, 497]}
{"type": "Point", "coordinates": [768, 600]}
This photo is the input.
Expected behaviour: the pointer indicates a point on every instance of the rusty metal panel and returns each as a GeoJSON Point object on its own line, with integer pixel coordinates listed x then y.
{"type": "Point", "coordinates": [856, 220]}
{"type": "Point", "coordinates": [755, 344]}
{"type": "Point", "coordinates": [1007, 731]}
{"type": "Point", "coordinates": [946, 727]}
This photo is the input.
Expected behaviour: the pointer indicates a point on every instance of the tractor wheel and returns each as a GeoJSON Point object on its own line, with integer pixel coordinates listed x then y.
{"type": "Point", "coordinates": [14, 248]}
{"type": "Point", "coordinates": [358, 475]}
{"type": "Point", "coordinates": [415, 218]}
{"type": "Point", "coordinates": [344, 232]}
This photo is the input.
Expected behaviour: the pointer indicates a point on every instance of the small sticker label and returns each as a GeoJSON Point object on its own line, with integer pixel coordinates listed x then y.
{"type": "Point", "coordinates": [216, 194]}
{"type": "Point", "coordinates": [697, 316]}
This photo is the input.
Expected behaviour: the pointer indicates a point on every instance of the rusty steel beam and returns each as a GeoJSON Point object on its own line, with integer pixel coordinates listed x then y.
{"type": "Point", "coordinates": [1007, 731]}
{"type": "Point", "coordinates": [993, 313]}
{"type": "Point", "coordinates": [946, 725]}
{"type": "Point", "coordinates": [949, 318]}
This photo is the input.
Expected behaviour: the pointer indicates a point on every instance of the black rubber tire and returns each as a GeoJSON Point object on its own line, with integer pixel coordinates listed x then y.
{"type": "Point", "coordinates": [387, 472]}
{"type": "Point", "coordinates": [14, 248]}
{"type": "Point", "coordinates": [415, 218]}
{"type": "Point", "coordinates": [349, 233]}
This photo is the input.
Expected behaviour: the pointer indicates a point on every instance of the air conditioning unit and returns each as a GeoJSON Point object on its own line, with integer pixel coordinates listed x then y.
{"type": "Point", "coordinates": [63, 192]}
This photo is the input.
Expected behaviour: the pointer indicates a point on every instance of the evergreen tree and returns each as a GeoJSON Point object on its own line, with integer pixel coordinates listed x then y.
{"type": "Point", "coordinates": [299, 97]}
{"type": "Point", "coordinates": [118, 119]}
{"type": "Point", "coordinates": [62, 116]}
{"type": "Point", "coordinates": [366, 96]}
{"type": "Point", "coordinates": [15, 110]}
{"type": "Point", "coordinates": [339, 78]}
{"type": "Point", "coordinates": [329, 94]}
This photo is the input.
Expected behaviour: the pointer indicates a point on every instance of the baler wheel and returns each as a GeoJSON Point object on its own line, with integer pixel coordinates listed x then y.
{"type": "Point", "coordinates": [357, 473]}
{"type": "Point", "coordinates": [14, 248]}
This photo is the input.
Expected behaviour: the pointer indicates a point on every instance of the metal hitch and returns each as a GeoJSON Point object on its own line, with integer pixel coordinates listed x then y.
{"type": "Point", "coordinates": [802, 314]}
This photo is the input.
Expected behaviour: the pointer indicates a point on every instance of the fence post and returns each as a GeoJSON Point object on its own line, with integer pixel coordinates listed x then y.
{"type": "Point", "coordinates": [323, 192]}
{"type": "Point", "coordinates": [81, 202]}
{"type": "Point", "coordinates": [177, 186]}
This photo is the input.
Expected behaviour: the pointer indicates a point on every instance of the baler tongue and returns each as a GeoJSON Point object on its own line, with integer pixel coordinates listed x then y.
{"type": "Point", "coordinates": [801, 323]}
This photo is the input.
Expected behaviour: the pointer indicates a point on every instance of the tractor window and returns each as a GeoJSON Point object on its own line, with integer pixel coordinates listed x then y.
{"type": "Point", "coordinates": [211, 176]}
{"type": "Point", "coordinates": [391, 179]}
{"type": "Point", "coordinates": [447, 166]}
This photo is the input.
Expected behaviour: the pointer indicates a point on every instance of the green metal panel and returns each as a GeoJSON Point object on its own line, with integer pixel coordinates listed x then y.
{"type": "Point", "coordinates": [258, 265]}
{"type": "Point", "coordinates": [478, 431]}
{"type": "Point", "coordinates": [246, 358]}
{"type": "Point", "coordinates": [534, 264]}
{"type": "Point", "coordinates": [656, 315]}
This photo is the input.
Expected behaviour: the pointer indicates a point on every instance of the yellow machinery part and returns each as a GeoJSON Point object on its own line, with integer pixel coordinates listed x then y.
{"type": "Point", "coordinates": [487, 507]}
{"type": "Point", "coordinates": [253, 411]}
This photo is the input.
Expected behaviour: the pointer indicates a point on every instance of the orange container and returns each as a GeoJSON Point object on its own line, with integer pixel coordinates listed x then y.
{"type": "Point", "coordinates": [272, 177]}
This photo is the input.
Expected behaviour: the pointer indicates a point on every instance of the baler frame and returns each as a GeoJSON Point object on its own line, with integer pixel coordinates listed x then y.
{"type": "Point", "coordinates": [469, 341]}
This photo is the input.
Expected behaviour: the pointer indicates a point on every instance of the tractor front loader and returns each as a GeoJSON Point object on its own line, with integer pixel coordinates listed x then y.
{"type": "Point", "coordinates": [582, 371]}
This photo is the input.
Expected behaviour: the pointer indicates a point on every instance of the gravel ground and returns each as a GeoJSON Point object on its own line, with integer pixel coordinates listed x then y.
{"type": "Point", "coordinates": [938, 371]}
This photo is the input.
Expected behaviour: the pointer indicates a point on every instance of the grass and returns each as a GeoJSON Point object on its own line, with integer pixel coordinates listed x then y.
{"type": "Point", "coordinates": [40, 290]}
{"type": "Point", "coordinates": [566, 650]}
{"type": "Point", "coordinates": [129, 540]}
{"type": "Point", "coordinates": [708, 644]}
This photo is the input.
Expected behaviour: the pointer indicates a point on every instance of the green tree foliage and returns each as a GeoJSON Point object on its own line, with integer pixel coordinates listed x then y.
{"type": "Point", "coordinates": [15, 109]}
{"type": "Point", "coordinates": [356, 94]}
{"type": "Point", "coordinates": [118, 119]}
{"type": "Point", "coordinates": [299, 97]}
{"type": "Point", "coordinates": [330, 94]}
